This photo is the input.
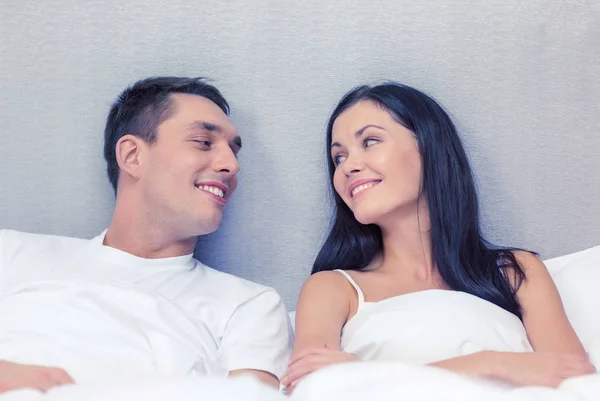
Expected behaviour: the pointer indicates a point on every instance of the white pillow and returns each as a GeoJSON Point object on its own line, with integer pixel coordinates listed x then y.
{"type": "Point", "coordinates": [577, 277]}
{"type": "Point", "coordinates": [293, 320]}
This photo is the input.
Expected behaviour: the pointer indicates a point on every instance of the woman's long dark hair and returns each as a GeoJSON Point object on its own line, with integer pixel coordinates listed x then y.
{"type": "Point", "coordinates": [464, 259]}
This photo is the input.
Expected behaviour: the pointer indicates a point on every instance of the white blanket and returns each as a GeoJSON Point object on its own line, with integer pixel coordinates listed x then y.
{"type": "Point", "coordinates": [193, 389]}
{"type": "Point", "coordinates": [380, 381]}
{"type": "Point", "coordinates": [373, 381]}
{"type": "Point", "coordinates": [396, 381]}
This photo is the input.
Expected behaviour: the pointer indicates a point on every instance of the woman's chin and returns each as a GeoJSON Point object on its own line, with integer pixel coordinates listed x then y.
{"type": "Point", "coordinates": [368, 218]}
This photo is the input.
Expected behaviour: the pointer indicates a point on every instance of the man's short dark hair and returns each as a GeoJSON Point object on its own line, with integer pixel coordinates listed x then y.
{"type": "Point", "coordinates": [142, 107]}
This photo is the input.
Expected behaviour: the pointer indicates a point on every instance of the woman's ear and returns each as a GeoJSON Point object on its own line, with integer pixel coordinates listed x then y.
{"type": "Point", "coordinates": [129, 154]}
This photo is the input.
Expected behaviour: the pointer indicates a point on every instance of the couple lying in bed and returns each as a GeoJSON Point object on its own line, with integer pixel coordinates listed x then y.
{"type": "Point", "coordinates": [404, 275]}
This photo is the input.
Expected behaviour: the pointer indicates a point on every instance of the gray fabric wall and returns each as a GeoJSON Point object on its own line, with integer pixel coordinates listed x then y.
{"type": "Point", "coordinates": [520, 77]}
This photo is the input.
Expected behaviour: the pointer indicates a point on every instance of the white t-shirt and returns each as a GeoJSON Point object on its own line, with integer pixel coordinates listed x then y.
{"type": "Point", "coordinates": [105, 315]}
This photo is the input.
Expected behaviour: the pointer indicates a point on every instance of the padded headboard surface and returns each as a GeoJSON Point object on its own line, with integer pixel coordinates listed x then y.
{"type": "Point", "coordinates": [521, 79]}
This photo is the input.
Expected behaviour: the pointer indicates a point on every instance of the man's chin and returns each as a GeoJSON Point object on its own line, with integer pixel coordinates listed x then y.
{"type": "Point", "coordinates": [208, 226]}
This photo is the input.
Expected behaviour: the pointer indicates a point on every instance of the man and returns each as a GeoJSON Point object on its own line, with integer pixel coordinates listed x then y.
{"type": "Point", "coordinates": [133, 303]}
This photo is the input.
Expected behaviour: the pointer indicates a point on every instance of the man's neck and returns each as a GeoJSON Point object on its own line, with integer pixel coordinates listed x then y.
{"type": "Point", "coordinates": [135, 235]}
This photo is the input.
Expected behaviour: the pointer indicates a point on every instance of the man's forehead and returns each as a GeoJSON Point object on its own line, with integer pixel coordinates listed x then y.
{"type": "Point", "coordinates": [200, 113]}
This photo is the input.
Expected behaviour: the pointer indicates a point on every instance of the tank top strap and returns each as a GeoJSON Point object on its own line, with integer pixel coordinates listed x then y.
{"type": "Point", "coordinates": [361, 297]}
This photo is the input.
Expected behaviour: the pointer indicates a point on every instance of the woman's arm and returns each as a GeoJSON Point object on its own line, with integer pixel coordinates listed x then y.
{"type": "Point", "coordinates": [520, 368]}
{"type": "Point", "coordinates": [323, 308]}
{"type": "Point", "coordinates": [558, 352]}
{"type": "Point", "coordinates": [544, 317]}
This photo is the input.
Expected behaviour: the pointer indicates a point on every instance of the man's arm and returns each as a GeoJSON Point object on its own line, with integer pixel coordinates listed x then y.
{"type": "Point", "coordinates": [14, 376]}
{"type": "Point", "coordinates": [265, 377]}
{"type": "Point", "coordinates": [257, 340]}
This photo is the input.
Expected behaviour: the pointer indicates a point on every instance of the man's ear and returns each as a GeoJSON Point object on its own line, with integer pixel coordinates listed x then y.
{"type": "Point", "coordinates": [130, 154]}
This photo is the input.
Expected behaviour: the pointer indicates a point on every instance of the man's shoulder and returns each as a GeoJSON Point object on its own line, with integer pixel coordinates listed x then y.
{"type": "Point", "coordinates": [23, 238]}
{"type": "Point", "coordinates": [14, 243]}
{"type": "Point", "coordinates": [233, 288]}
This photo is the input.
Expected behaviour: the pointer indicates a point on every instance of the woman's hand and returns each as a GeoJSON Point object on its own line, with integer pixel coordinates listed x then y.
{"type": "Point", "coordinates": [313, 359]}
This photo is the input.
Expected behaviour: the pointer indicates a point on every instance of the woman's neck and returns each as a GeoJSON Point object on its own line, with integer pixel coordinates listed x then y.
{"type": "Point", "coordinates": [407, 243]}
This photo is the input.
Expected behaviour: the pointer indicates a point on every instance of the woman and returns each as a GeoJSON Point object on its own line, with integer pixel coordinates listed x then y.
{"type": "Point", "coordinates": [405, 273]}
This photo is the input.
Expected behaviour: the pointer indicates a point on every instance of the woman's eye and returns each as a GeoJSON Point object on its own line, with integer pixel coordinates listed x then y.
{"type": "Point", "coordinates": [370, 141]}
{"type": "Point", "coordinates": [338, 159]}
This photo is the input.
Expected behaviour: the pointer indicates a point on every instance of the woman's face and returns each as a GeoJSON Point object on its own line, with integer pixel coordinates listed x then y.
{"type": "Point", "coordinates": [378, 164]}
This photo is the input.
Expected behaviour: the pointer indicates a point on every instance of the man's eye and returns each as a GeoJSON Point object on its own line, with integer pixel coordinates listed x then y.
{"type": "Point", "coordinates": [203, 142]}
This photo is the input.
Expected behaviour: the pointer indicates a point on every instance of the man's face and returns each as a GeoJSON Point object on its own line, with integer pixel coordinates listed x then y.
{"type": "Point", "coordinates": [189, 171]}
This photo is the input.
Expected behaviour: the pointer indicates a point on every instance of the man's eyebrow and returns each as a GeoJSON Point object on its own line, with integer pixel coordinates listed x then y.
{"type": "Point", "coordinates": [204, 126]}
{"type": "Point", "coordinates": [357, 134]}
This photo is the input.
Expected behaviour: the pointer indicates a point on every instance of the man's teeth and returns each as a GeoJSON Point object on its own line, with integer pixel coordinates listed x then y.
{"type": "Point", "coordinates": [362, 187]}
{"type": "Point", "coordinates": [212, 190]}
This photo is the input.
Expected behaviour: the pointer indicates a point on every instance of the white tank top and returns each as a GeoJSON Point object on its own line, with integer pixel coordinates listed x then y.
{"type": "Point", "coordinates": [429, 326]}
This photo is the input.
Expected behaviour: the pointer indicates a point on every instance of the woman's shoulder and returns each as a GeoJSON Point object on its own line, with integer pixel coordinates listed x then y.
{"type": "Point", "coordinates": [528, 260]}
{"type": "Point", "coordinates": [536, 275]}
{"type": "Point", "coordinates": [332, 286]}
{"type": "Point", "coordinates": [517, 264]}
{"type": "Point", "coordinates": [327, 280]}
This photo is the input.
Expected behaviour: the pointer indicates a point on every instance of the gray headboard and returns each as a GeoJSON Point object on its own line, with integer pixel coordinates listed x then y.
{"type": "Point", "coordinates": [521, 78]}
